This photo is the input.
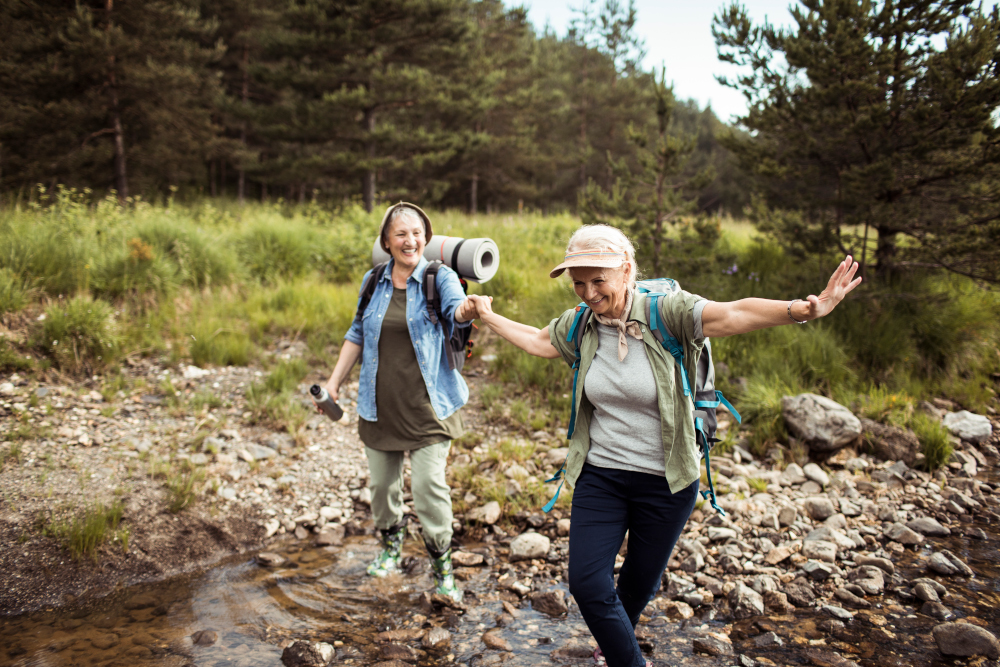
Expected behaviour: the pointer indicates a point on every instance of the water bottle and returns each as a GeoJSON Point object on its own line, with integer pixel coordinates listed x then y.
{"type": "Point", "coordinates": [325, 403]}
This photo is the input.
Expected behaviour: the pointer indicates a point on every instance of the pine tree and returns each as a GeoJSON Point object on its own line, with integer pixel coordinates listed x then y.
{"type": "Point", "coordinates": [879, 129]}
{"type": "Point", "coordinates": [657, 194]}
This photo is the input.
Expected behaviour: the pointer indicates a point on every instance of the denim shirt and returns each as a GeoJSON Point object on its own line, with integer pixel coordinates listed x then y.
{"type": "Point", "coordinates": [446, 387]}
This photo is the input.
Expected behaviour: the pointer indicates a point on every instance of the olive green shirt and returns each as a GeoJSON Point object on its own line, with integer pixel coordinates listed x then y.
{"type": "Point", "coordinates": [406, 418]}
{"type": "Point", "coordinates": [680, 453]}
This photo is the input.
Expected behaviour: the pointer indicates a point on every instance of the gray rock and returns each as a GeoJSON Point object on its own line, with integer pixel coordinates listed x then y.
{"type": "Point", "coordinates": [891, 443]}
{"type": "Point", "coordinates": [816, 474]}
{"type": "Point", "coordinates": [792, 475]}
{"type": "Point", "coordinates": [928, 526]}
{"type": "Point", "coordinates": [143, 446]}
{"type": "Point", "coordinates": [851, 600]}
{"type": "Point", "coordinates": [552, 602]}
{"type": "Point", "coordinates": [745, 602]}
{"type": "Point", "coordinates": [529, 545]}
{"type": "Point", "coordinates": [488, 514]}
{"type": "Point", "coordinates": [820, 658]}
{"type": "Point", "coordinates": [767, 639]}
{"type": "Point", "coordinates": [436, 638]}
{"type": "Point", "coordinates": [818, 570]}
{"type": "Point", "coordinates": [936, 610]}
{"type": "Point", "coordinates": [946, 563]}
{"type": "Point", "coordinates": [823, 424]}
{"type": "Point", "coordinates": [787, 516]}
{"type": "Point", "coordinates": [837, 612]}
{"type": "Point", "coordinates": [710, 645]}
{"type": "Point", "coordinates": [883, 564]}
{"type": "Point", "coordinates": [307, 654]}
{"type": "Point", "coordinates": [820, 550]}
{"type": "Point", "coordinates": [693, 563]}
{"type": "Point", "coordinates": [227, 493]}
{"type": "Point", "coordinates": [268, 559]}
{"type": "Point", "coordinates": [259, 452]}
{"type": "Point", "coordinates": [936, 586]}
{"type": "Point", "coordinates": [720, 534]}
{"type": "Point", "coordinates": [897, 532]}
{"type": "Point", "coordinates": [828, 534]}
{"type": "Point", "coordinates": [926, 592]}
{"type": "Point", "coordinates": [966, 639]}
{"type": "Point", "coordinates": [818, 507]}
{"type": "Point", "coordinates": [869, 578]}
{"type": "Point", "coordinates": [969, 426]}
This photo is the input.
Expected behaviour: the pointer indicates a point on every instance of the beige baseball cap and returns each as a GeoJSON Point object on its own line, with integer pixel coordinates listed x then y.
{"type": "Point", "coordinates": [383, 228]}
{"type": "Point", "coordinates": [606, 259]}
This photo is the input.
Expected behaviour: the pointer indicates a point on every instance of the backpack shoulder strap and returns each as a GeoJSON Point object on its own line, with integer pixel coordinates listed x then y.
{"type": "Point", "coordinates": [575, 334]}
{"type": "Point", "coordinates": [663, 336]}
{"type": "Point", "coordinates": [431, 291]}
{"type": "Point", "coordinates": [368, 289]}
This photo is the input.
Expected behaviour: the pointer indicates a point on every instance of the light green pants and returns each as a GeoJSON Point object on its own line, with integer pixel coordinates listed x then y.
{"type": "Point", "coordinates": [431, 494]}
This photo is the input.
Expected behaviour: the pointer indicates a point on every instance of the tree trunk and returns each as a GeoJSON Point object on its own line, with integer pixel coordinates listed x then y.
{"type": "Point", "coordinates": [886, 269]}
{"type": "Point", "coordinates": [243, 128]}
{"type": "Point", "coordinates": [213, 186]}
{"type": "Point", "coordinates": [302, 193]}
{"type": "Point", "coordinates": [369, 178]}
{"type": "Point", "coordinates": [474, 194]}
{"type": "Point", "coordinates": [263, 193]}
{"type": "Point", "coordinates": [222, 177]}
{"type": "Point", "coordinates": [121, 176]}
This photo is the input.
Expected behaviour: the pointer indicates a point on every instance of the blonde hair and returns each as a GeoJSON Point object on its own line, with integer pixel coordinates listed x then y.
{"type": "Point", "coordinates": [604, 237]}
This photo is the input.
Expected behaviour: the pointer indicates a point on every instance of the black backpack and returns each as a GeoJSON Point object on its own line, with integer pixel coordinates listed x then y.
{"type": "Point", "coordinates": [458, 348]}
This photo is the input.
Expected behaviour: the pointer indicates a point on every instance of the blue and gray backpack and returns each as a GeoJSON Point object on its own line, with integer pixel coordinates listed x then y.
{"type": "Point", "coordinates": [706, 397]}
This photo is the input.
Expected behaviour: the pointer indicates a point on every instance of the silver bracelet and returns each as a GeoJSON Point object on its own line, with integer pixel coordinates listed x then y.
{"type": "Point", "coordinates": [790, 312]}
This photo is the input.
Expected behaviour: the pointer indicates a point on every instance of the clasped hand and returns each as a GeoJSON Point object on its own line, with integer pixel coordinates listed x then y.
{"type": "Point", "coordinates": [474, 306]}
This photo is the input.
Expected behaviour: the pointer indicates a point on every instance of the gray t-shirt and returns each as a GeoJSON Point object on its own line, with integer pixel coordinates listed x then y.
{"type": "Point", "coordinates": [625, 431]}
{"type": "Point", "coordinates": [625, 426]}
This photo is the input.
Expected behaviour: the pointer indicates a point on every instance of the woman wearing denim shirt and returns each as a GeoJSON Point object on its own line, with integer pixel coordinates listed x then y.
{"type": "Point", "coordinates": [408, 396]}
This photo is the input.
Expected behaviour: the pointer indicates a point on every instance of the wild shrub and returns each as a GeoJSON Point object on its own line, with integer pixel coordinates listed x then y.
{"type": "Point", "coordinates": [11, 359]}
{"type": "Point", "coordinates": [135, 272]}
{"type": "Point", "coordinates": [13, 294]}
{"type": "Point", "coordinates": [199, 261]}
{"type": "Point", "coordinates": [80, 334]}
{"type": "Point", "coordinates": [271, 252]}
{"type": "Point", "coordinates": [183, 486]}
{"type": "Point", "coordinates": [934, 440]}
{"type": "Point", "coordinates": [84, 533]}
{"type": "Point", "coordinates": [760, 405]}
{"type": "Point", "coordinates": [218, 343]}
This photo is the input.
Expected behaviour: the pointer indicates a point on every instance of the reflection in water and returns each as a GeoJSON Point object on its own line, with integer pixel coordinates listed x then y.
{"type": "Point", "coordinates": [240, 614]}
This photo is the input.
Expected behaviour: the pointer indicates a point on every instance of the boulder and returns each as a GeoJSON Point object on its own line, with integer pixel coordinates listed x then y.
{"type": "Point", "coordinates": [823, 424]}
{"type": "Point", "coordinates": [828, 534]}
{"type": "Point", "coordinates": [552, 603]}
{"type": "Point", "coordinates": [891, 443]}
{"type": "Point", "coordinates": [816, 474]}
{"type": "Point", "coordinates": [820, 550]}
{"type": "Point", "coordinates": [966, 639]}
{"type": "Point", "coordinates": [819, 507]}
{"type": "Point", "coordinates": [969, 426]}
{"type": "Point", "coordinates": [946, 563]}
{"type": "Point", "coordinates": [529, 545]}
{"type": "Point", "coordinates": [436, 638]}
{"type": "Point", "coordinates": [488, 514]}
{"type": "Point", "coordinates": [792, 474]}
{"type": "Point", "coordinates": [745, 602]}
{"type": "Point", "coordinates": [928, 526]}
{"type": "Point", "coordinates": [897, 532]}
{"type": "Point", "coordinates": [307, 654]}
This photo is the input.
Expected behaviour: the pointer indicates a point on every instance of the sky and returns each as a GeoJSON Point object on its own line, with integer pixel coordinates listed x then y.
{"type": "Point", "coordinates": [678, 34]}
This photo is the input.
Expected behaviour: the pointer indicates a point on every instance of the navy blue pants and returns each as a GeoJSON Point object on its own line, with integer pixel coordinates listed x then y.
{"type": "Point", "coordinates": [606, 504]}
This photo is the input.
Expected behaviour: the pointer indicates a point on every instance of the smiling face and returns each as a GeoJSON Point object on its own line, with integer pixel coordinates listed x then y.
{"type": "Point", "coordinates": [406, 241]}
{"type": "Point", "coordinates": [602, 289]}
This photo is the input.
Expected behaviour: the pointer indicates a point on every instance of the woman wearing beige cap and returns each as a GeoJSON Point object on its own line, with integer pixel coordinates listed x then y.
{"type": "Point", "coordinates": [633, 462]}
{"type": "Point", "coordinates": [408, 395]}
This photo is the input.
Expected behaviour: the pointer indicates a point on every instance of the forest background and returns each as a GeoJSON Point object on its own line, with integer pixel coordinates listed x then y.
{"type": "Point", "coordinates": [199, 179]}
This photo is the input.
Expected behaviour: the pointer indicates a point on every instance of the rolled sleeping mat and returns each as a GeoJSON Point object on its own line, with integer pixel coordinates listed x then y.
{"type": "Point", "coordinates": [473, 259]}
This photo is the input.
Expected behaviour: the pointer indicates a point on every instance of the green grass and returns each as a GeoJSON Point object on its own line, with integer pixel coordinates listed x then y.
{"type": "Point", "coordinates": [80, 334]}
{"type": "Point", "coordinates": [274, 402]}
{"type": "Point", "coordinates": [84, 533]}
{"type": "Point", "coordinates": [934, 441]}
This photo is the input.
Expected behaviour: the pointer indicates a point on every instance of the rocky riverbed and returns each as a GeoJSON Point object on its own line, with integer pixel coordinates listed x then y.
{"type": "Point", "coordinates": [854, 558]}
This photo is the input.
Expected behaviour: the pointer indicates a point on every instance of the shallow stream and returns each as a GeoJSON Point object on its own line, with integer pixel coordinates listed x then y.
{"type": "Point", "coordinates": [323, 594]}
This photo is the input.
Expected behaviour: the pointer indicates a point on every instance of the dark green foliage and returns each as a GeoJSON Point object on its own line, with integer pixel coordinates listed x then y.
{"type": "Point", "coordinates": [79, 334]}
{"type": "Point", "coordinates": [872, 130]}
{"type": "Point", "coordinates": [84, 533]}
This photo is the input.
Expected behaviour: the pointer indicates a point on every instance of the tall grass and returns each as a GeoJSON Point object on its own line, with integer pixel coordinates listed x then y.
{"type": "Point", "coordinates": [83, 533]}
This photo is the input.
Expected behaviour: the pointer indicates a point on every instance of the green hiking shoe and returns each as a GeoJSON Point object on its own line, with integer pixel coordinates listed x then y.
{"type": "Point", "coordinates": [388, 559]}
{"type": "Point", "coordinates": [444, 576]}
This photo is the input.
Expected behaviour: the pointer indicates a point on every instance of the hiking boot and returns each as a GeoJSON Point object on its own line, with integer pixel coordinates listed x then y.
{"type": "Point", "coordinates": [388, 559]}
{"type": "Point", "coordinates": [444, 577]}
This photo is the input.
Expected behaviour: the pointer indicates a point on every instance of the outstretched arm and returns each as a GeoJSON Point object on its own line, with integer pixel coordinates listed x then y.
{"type": "Point", "coordinates": [736, 317]}
{"type": "Point", "coordinates": [531, 340]}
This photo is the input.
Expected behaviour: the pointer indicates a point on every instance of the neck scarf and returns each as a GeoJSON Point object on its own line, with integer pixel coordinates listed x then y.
{"type": "Point", "coordinates": [624, 326]}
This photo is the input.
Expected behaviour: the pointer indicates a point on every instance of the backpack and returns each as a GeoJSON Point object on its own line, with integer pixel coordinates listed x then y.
{"type": "Point", "coordinates": [706, 397]}
{"type": "Point", "coordinates": [459, 346]}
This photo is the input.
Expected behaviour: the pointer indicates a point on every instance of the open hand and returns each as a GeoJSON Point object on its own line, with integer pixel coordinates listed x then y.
{"type": "Point", "coordinates": [841, 283]}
